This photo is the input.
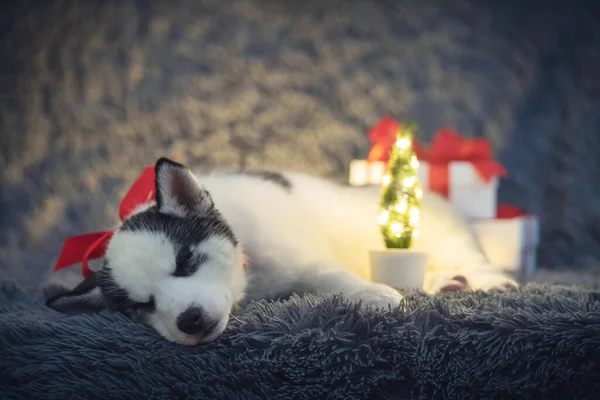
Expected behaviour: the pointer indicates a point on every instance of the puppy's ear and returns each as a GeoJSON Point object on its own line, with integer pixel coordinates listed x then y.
{"type": "Point", "coordinates": [85, 298]}
{"type": "Point", "coordinates": [178, 192]}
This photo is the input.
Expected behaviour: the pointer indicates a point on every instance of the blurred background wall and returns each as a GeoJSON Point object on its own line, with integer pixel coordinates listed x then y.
{"type": "Point", "coordinates": [93, 91]}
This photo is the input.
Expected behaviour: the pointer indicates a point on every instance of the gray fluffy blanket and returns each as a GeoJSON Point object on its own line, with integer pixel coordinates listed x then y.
{"type": "Point", "coordinates": [541, 343]}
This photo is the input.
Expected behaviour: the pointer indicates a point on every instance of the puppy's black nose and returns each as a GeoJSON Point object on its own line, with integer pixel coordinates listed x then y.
{"type": "Point", "coordinates": [192, 321]}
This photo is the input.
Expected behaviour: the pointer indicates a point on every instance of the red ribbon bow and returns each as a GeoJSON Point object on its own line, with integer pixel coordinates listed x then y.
{"type": "Point", "coordinates": [447, 146]}
{"type": "Point", "coordinates": [508, 211]}
{"type": "Point", "coordinates": [90, 246]}
{"type": "Point", "coordinates": [82, 248]}
{"type": "Point", "coordinates": [382, 136]}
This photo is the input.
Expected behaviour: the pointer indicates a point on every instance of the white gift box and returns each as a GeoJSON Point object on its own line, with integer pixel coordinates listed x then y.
{"type": "Point", "coordinates": [363, 172]}
{"type": "Point", "coordinates": [467, 191]}
{"type": "Point", "coordinates": [511, 243]}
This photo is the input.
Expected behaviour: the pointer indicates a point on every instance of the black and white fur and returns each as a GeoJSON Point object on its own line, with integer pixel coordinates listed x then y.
{"type": "Point", "coordinates": [177, 264]}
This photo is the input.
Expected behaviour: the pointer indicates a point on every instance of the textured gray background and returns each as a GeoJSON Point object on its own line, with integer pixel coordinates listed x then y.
{"type": "Point", "coordinates": [92, 91]}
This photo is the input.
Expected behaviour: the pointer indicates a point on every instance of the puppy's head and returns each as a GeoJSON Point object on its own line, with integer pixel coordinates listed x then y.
{"type": "Point", "coordinates": [176, 266]}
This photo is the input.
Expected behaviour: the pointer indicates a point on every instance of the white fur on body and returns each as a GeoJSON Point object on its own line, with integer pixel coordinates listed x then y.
{"type": "Point", "coordinates": [187, 252]}
{"type": "Point", "coordinates": [317, 237]}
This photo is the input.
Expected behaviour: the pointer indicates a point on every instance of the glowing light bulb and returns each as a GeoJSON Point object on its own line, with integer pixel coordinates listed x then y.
{"type": "Point", "coordinates": [396, 227]}
{"type": "Point", "coordinates": [386, 179]}
{"type": "Point", "coordinates": [418, 193]}
{"type": "Point", "coordinates": [414, 214]}
{"type": "Point", "coordinates": [410, 181]}
{"type": "Point", "coordinates": [414, 162]}
{"type": "Point", "coordinates": [401, 207]}
{"type": "Point", "coordinates": [383, 217]}
{"type": "Point", "coordinates": [403, 143]}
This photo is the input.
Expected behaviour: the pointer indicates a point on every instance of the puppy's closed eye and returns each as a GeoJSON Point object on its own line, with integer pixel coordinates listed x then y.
{"type": "Point", "coordinates": [139, 311]}
{"type": "Point", "coordinates": [187, 263]}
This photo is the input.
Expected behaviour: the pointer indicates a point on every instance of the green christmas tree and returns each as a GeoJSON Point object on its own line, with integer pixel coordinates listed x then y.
{"type": "Point", "coordinates": [401, 193]}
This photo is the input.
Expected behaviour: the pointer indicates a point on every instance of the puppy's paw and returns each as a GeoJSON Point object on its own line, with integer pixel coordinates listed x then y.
{"type": "Point", "coordinates": [457, 283]}
{"type": "Point", "coordinates": [377, 295]}
{"type": "Point", "coordinates": [446, 283]}
{"type": "Point", "coordinates": [493, 282]}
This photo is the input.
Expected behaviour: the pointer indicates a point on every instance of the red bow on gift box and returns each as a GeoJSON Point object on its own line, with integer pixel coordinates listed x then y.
{"type": "Point", "coordinates": [383, 137]}
{"type": "Point", "coordinates": [447, 146]}
{"type": "Point", "coordinates": [508, 211]}
{"type": "Point", "coordinates": [82, 248]}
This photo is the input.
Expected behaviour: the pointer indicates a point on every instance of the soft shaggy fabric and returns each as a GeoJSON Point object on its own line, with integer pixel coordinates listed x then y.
{"type": "Point", "coordinates": [541, 343]}
{"type": "Point", "coordinates": [93, 91]}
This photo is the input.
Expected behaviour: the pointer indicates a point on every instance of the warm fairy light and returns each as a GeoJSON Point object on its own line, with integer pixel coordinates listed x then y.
{"type": "Point", "coordinates": [384, 217]}
{"type": "Point", "coordinates": [403, 143]}
{"type": "Point", "coordinates": [396, 227]}
{"type": "Point", "coordinates": [401, 207]}
{"type": "Point", "coordinates": [401, 194]}
{"type": "Point", "coordinates": [410, 181]}
{"type": "Point", "coordinates": [414, 162]}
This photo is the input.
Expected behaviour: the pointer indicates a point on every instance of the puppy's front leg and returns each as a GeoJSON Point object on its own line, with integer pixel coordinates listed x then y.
{"type": "Point", "coordinates": [336, 279]}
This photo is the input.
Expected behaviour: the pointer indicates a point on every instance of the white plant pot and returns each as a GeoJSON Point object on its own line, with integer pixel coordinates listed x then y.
{"type": "Point", "coordinates": [399, 268]}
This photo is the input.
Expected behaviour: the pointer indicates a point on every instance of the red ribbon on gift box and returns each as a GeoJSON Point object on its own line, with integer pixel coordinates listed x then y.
{"type": "Point", "coordinates": [447, 146]}
{"type": "Point", "coordinates": [508, 211]}
{"type": "Point", "coordinates": [90, 246]}
{"type": "Point", "coordinates": [382, 136]}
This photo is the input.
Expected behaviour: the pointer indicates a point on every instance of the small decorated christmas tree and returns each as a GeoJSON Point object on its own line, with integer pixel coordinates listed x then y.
{"type": "Point", "coordinates": [401, 193]}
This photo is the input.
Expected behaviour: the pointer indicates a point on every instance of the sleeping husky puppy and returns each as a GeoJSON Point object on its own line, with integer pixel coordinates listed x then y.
{"type": "Point", "coordinates": [181, 263]}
